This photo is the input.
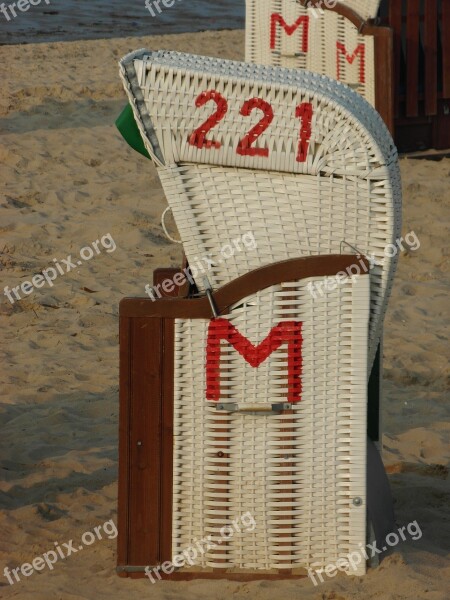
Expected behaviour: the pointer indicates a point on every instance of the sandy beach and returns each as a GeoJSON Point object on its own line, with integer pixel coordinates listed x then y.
{"type": "Point", "coordinates": [69, 181]}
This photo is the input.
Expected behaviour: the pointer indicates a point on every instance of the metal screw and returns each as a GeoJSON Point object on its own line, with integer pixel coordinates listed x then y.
{"type": "Point", "coordinates": [139, 443]}
{"type": "Point", "coordinates": [357, 501]}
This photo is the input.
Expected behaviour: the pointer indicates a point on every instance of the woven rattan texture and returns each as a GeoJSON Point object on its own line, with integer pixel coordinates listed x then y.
{"type": "Point", "coordinates": [289, 216]}
{"type": "Point", "coordinates": [297, 473]}
{"type": "Point", "coordinates": [347, 135]}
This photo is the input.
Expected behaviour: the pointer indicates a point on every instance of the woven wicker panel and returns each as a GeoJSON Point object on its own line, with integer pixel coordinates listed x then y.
{"type": "Point", "coordinates": [296, 473]}
{"type": "Point", "coordinates": [289, 216]}
{"type": "Point", "coordinates": [323, 43]}
{"type": "Point", "coordinates": [346, 135]}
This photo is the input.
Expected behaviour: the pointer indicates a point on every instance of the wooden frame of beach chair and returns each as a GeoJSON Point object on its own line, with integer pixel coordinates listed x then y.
{"type": "Point", "coordinates": [341, 42]}
{"type": "Point", "coordinates": [292, 452]}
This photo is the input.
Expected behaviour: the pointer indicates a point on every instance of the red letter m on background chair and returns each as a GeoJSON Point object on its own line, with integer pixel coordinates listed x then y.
{"type": "Point", "coordinates": [360, 50]}
{"type": "Point", "coordinates": [288, 332]}
{"type": "Point", "coordinates": [276, 18]}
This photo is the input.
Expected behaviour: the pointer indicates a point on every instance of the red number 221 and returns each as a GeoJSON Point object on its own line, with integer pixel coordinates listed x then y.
{"type": "Point", "coordinates": [245, 147]}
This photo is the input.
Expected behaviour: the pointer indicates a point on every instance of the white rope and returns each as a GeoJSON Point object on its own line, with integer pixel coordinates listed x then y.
{"type": "Point", "coordinates": [163, 224]}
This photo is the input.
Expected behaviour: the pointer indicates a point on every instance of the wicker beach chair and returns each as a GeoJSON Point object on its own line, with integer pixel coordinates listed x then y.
{"type": "Point", "coordinates": [268, 381]}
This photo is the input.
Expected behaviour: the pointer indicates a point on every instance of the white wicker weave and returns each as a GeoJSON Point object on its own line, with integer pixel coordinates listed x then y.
{"type": "Point", "coordinates": [345, 188]}
{"type": "Point", "coordinates": [284, 33]}
{"type": "Point", "coordinates": [298, 473]}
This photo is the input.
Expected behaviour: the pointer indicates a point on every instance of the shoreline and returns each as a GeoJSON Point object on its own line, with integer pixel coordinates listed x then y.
{"type": "Point", "coordinates": [122, 37]}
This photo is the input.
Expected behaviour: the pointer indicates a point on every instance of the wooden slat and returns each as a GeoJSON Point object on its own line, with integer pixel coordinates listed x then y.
{"type": "Point", "coordinates": [412, 58]}
{"type": "Point", "coordinates": [292, 269]}
{"type": "Point", "coordinates": [241, 576]}
{"type": "Point", "coordinates": [384, 77]}
{"type": "Point", "coordinates": [124, 454]}
{"type": "Point", "coordinates": [441, 127]}
{"type": "Point", "coordinates": [395, 22]}
{"type": "Point", "coordinates": [167, 409]}
{"type": "Point", "coordinates": [445, 36]}
{"type": "Point", "coordinates": [145, 443]}
{"type": "Point", "coordinates": [145, 407]}
{"type": "Point", "coordinates": [430, 48]}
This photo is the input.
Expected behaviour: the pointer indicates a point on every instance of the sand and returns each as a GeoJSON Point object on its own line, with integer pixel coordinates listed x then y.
{"type": "Point", "coordinates": [70, 180]}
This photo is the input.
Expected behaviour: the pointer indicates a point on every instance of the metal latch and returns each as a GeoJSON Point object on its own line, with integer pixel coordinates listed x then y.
{"type": "Point", "coordinates": [233, 407]}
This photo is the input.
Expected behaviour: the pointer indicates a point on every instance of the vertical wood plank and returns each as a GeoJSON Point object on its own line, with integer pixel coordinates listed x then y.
{"type": "Point", "coordinates": [145, 431]}
{"type": "Point", "coordinates": [430, 48]}
{"type": "Point", "coordinates": [412, 58]}
{"type": "Point", "coordinates": [167, 410]}
{"type": "Point", "coordinates": [124, 455]}
{"type": "Point", "coordinates": [395, 22]}
{"type": "Point", "coordinates": [384, 78]}
{"type": "Point", "coordinates": [445, 36]}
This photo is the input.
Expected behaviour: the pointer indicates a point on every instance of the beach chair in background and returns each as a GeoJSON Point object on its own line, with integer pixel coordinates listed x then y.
{"type": "Point", "coordinates": [341, 42]}
{"type": "Point", "coordinates": [252, 396]}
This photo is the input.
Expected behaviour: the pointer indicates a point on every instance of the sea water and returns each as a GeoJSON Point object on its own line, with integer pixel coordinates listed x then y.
{"type": "Point", "coordinates": [60, 20]}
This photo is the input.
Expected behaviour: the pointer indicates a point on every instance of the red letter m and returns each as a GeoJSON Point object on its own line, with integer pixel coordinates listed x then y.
{"type": "Point", "coordinates": [276, 18]}
{"type": "Point", "coordinates": [288, 332]}
{"type": "Point", "coordinates": [360, 49]}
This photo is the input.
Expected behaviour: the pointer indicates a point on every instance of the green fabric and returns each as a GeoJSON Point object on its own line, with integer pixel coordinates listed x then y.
{"type": "Point", "coordinates": [130, 131]}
